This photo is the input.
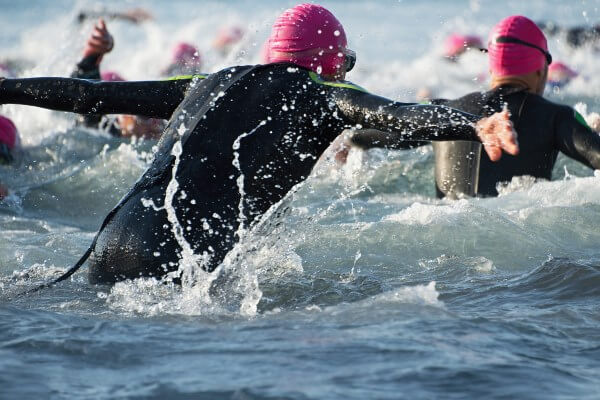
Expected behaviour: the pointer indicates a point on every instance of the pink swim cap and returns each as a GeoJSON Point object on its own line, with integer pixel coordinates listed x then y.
{"type": "Point", "coordinates": [560, 74]}
{"type": "Point", "coordinates": [560, 68]}
{"type": "Point", "coordinates": [8, 132]}
{"type": "Point", "coordinates": [111, 76]}
{"type": "Point", "coordinates": [227, 36]}
{"type": "Point", "coordinates": [456, 44]}
{"type": "Point", "coordinates": [509, 58]}
{"type": "Point", "coordinates": [309, 36]}
{"type": "Point", "coordinates": [185, 53]}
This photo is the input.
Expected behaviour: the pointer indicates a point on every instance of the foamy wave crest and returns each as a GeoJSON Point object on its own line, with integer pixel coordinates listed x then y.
{"type": "Point", "coordinates": [425, 214]}
{"type": "Point", "coordinates": [420, 294]}
{"type": "Point", "coordinates": [404, 298]}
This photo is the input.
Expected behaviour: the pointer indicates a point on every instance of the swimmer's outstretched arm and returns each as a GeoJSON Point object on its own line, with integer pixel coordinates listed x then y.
{"type": "Point", "coordinates": [413, 122]}
{"type": "Point", "coordinates": [136, 15]}
{"type": "Point", "coordinates": [406, 121]}
{"type": "Point", "coordinates": [576, 139]}
{"type": "Point", "coordinates": [156, 99]}
{"type": "Point", "coordinates": [371, 138]}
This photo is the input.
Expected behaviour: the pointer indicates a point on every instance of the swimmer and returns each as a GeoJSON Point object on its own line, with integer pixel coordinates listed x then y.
{"type": "Point", "coordinates": [559, 74]}
{"type": "Point", "coordinates": [227, 37]}
{"type": "Point", "coordinates": [247, 135]}
{"type": "Point", "coordinates": [185, 60]}
{"type": "Point", "coordinates": [98, 44]}
{"type": "Point", "coordinates": [9, 140]}
{"type": "Point", "coordinates": [9, 144]}
{"type": "Point", "coordinates": [518, 59]}
{"type": "Point", "coordinates": [135, 15]}
{"type": "Point", "coordinates": [456, 45]}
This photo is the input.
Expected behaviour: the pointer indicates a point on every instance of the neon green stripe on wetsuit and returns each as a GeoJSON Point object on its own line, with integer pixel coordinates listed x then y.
{"type": "Point", "coordinates": [579, 118]}
{"type": "Point", "coordinates": [181, 77]}
{"type": "Point", "coordinates": [346, 85]}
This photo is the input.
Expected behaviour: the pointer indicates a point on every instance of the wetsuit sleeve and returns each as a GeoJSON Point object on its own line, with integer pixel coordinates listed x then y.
{"type": "Point", "coordinates": [576, 139]}
{"type": "Point", "coordinates": [406, 122]}
{"type": "Point", "coordinates": [370, 138]}
{"type": "Point", "coordinates": [156, 99]}
{"type": "Point", "coordinates": [87, 68]}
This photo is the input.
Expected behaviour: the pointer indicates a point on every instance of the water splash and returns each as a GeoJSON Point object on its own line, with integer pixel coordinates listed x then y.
{"type": "Point", "coordinates": [234, 281]}
{"type": "Point", "coordinates": [240, 179]}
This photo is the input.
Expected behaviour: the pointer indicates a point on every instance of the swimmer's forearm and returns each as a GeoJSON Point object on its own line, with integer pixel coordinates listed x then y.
{"type": "Point", "coordinates": [371, 138]}
{"type": "Point", "coordinates": [577, 140]}
{"type": "Point", "coordinates": [436, 123]}
{"type": "Point", "coordinates": [410, 122]}
{"type": "Point", "coordinates": [87, 68]}
{"type": "Point", "coordinates": [156, 99]}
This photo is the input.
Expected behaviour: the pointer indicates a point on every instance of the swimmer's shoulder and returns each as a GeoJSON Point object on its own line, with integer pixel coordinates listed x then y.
{"type": "Point", "coordinates": [548, 107]}
{"type": "Point", "coordinates": [543, 109]}
{"type": "Point", "coordinates": [471, 102]}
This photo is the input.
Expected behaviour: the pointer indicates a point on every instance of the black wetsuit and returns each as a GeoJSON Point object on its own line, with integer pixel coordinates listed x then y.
{"type": "Point", "coordinates": [89, 68]}
{"type": "Point", "coordinates": [276, 118]}
{"type": "Point", "coordinates": [544, 128]}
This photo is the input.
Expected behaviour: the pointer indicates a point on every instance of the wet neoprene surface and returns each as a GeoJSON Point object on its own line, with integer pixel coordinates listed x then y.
{"type": "Point", "coordinates": [286, 117]}
{"type": "Point", "coordinates": [544, 128]}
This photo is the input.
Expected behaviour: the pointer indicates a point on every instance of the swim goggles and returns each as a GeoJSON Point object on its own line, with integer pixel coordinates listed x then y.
{"type": "Point", "coordinates": [349, 55]}
{"type": "Point", "coordinates": [510, 39]}
{"type": "Point", "coordinates": [349, 59]}
{"type": "Point", "coordinates": [5, 156]}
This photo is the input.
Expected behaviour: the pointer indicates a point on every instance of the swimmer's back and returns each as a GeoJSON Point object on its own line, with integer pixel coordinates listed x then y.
{"type": "Point", "coordinates": [544, 129]}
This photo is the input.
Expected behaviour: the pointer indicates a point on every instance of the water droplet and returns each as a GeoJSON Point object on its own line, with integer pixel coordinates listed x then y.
{"type": "Point", "coordinates": [336, 33]}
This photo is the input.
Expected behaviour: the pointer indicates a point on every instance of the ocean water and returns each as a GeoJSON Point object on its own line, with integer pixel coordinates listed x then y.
{"type": "Point", "coordinates": [370, 288]}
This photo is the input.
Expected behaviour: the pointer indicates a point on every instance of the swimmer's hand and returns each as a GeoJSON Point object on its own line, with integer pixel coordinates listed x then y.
{"type": "Point", "coordinates": [593, 119]}
{"type": "Point", "coordinates": [341, 147]}
{"type": "Point", "coordinates": [496, 133]}
{"type": "Point", "coordinates": [100, 41]}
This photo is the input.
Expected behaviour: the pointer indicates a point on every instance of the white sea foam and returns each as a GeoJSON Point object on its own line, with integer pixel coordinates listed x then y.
{"type": "Point", "coordinates": [425, 214]}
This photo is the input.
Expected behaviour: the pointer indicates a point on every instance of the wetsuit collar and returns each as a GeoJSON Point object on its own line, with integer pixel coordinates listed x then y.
{"type": "Point", "coordinates": [510, 88]}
